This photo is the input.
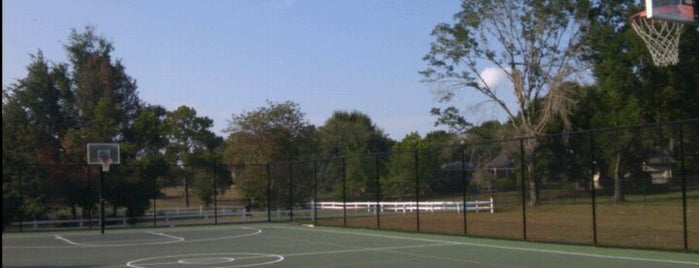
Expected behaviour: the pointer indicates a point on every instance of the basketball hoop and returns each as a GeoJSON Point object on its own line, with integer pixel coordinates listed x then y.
{"type": "Point", "coordinates": [662, 37]}
{"type": "Point", "coordinates": [106, 161]}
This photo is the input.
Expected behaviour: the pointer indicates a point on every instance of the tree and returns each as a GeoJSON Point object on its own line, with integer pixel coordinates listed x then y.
{"type": "Point", "coordinates": [105, 96]}
{"type": "Point", "coordinates": [535, 44]}
{"type": "Point", "coordinates": [150, 163]}
{"type": "Point", "coordinates": [353, 135]}
{"type": "Point", "coordinates": [278, 132]}
{"type": "Point", "coordinates": [191, 143]}
{"type": "Point", "coordinates": [32, 127]}
{"type": "Point", "coordinates": [106, 105]}
{"type": "Point", "coordinates": [452, 119]}
{"type": "Point", "coordinates": [630, 90]}
{"type": "Point", "coordinates": [439, 151]}
{"type": "Point", "coordinates": [400, 181]}
{"type": "Point", "coordinates": [349, 133]}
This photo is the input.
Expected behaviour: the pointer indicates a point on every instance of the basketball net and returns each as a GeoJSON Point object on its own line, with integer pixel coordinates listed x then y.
{"type": "Point", "coordinates": [106, 161]}
{"type": "Point", "coordinates": [661, 37]}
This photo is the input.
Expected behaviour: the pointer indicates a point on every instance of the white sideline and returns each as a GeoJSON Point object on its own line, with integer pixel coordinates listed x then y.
{"type": "Point", "coordinates": [167, 235]}
{"type": "Point", "coordinates": [447, 243]}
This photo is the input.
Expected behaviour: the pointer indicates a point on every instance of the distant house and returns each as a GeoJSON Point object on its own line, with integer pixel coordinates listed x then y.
{"type": "Point", "coordinates": [500, 166]}
{"type": "Point", "coordinates": [502, 163]}
{"type": "Point", "coordinates": [660, 168]}
{"type": "Point", "coordinates": [456, 169]}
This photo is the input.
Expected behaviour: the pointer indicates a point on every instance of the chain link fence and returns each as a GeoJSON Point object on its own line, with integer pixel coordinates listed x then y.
{"type": "Point", "coordinates": [634, 187]}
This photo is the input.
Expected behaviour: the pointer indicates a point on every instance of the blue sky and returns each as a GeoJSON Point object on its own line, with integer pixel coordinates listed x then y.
{"type": "Point", "coordinates": [225, 57]}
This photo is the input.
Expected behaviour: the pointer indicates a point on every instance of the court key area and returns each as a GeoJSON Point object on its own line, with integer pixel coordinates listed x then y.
{"type": "Point", "coordinates": [288, 245]}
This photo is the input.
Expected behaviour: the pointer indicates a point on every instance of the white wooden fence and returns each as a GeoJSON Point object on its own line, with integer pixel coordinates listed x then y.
{"type": "Point", "coordinates": [410, 206]}
{"type": "Point", "coordinates": [172, 216]}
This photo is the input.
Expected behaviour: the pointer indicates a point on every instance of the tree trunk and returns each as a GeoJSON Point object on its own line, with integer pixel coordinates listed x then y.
{"type": "Point", "coordinates": [618, 180]}
{"type": "Point", "coordinates": [534, 187]}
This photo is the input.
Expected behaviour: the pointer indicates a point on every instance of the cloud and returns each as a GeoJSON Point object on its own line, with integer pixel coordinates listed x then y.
{"type": "Point", "coordinates": [492, 77]}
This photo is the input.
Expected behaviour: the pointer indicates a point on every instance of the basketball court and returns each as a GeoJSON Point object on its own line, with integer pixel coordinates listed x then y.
{"type": "Point", "coordinates": [285, 245]}
{"type": "Point", "coordinates": [291, 245]}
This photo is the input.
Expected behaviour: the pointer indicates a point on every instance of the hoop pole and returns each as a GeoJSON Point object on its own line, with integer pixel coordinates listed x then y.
{"type": "Point", "coordinates": [102, 201]}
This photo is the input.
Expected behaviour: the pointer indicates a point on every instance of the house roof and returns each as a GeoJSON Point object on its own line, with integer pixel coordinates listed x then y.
{"type": "Point", "coordinates": [457, 166]}
{"type": "Point", "coordinates": [501, 161]}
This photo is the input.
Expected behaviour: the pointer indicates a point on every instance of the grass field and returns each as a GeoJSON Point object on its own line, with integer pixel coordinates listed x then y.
{"type": "Point", "coordinates": [651, 221]}
{"type": "Point", "coordinates": [654, 221]}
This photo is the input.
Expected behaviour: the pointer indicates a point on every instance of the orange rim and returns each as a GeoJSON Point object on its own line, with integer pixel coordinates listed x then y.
{"type": "Point", "coordinates": [641, 14]}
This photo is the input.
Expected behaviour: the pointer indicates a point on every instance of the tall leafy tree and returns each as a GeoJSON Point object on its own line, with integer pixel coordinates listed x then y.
{"type": "Point", "coordinates": [192, 143]}
{"type": "Point", "coordinates": [631, 90]}
{"type": "Point", "coordinates": [149, 142]}
{"type": "Point", "coordinates": [274, 133]}
{"type": "Point", "coordinates": [430, 154]}
{"type": "Point", "coordinates": [32, 126]}
{"type": "Point", "coordinates": [105, 107]}
{"type": "Point", "coordinates": [535, 44]}
{"type": "Point", "coordinates": [349, 133]}
{"type": "Point", "coordinates": [400, 181]}
{"type": "Point", "coordinates": [353, 135]}
{"type": "Point", "coordinates": [438, 151]}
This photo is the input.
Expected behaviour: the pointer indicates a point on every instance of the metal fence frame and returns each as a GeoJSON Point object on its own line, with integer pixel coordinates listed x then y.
{"type": "Point", "coordinates": [285, 174]}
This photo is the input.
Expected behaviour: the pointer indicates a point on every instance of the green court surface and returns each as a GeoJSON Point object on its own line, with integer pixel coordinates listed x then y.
{"type": "Point", "coordinates": [284, 245]}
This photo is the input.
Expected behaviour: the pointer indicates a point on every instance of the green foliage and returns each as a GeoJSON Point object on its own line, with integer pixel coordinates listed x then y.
{"type": "Point", "coordinates": [415, 158]}
{"type": "Point", "coordinates": [630, 90]}
{"type": "Point", "coordinates": [270, 134]}
{"type": "Point", "coordinates": [49, 116]}
{"type": "Point", "coordinates": [351, 133]}
{"type": "Point", "coordinates": [505, 184]}
{"type": "Point", "coordinates": [401, 168]}
{"type": "Point", "coordinates": [451, 118]}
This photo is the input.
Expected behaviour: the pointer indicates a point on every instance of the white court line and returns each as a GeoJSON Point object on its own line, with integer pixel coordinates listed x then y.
{"type": "Point", "coordinates": [502, 247]}
{"type": "Point", "coordinates": [175, 239]}
{"type": "Point", "coordinates": [163, 260]}
{"type": "Point", "coordinates": [363, 249]}
{"type": "Point", "coordinates": [167, 235]}
{"type": "Point", "coordinates": [66, 240]}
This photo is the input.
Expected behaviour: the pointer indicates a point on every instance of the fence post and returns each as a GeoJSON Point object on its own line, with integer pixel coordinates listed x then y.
{"type": "Point", "coordinates": [313, 211]}
{"type": "Point", "coordinates": [417, 191]}
{"type": "Point", "coordinates": [344, 193]}
{"type": "Point", "coordinates": [593, 193]}
{"type": "Point", "coordinates": [315, 192]}
{"type": "Point", "coordinates": [291, 192]}
{"type": "Point", "coordinates": [155, 213]}
{"type": "Point", "coordinates": [464, 189]}
{"type": "Point", "coordinates": [269, 194]}
{"type": "Point", "coordinates": [378, 192]}
{"type": "Point", "coordinates": [213, 187]}
{"type": "Point", "coordinates": [684, 186]}
{"type": "Point", "coordinates": [21, 199]}
{"type": "Point", "coordinates": [524, 197]}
